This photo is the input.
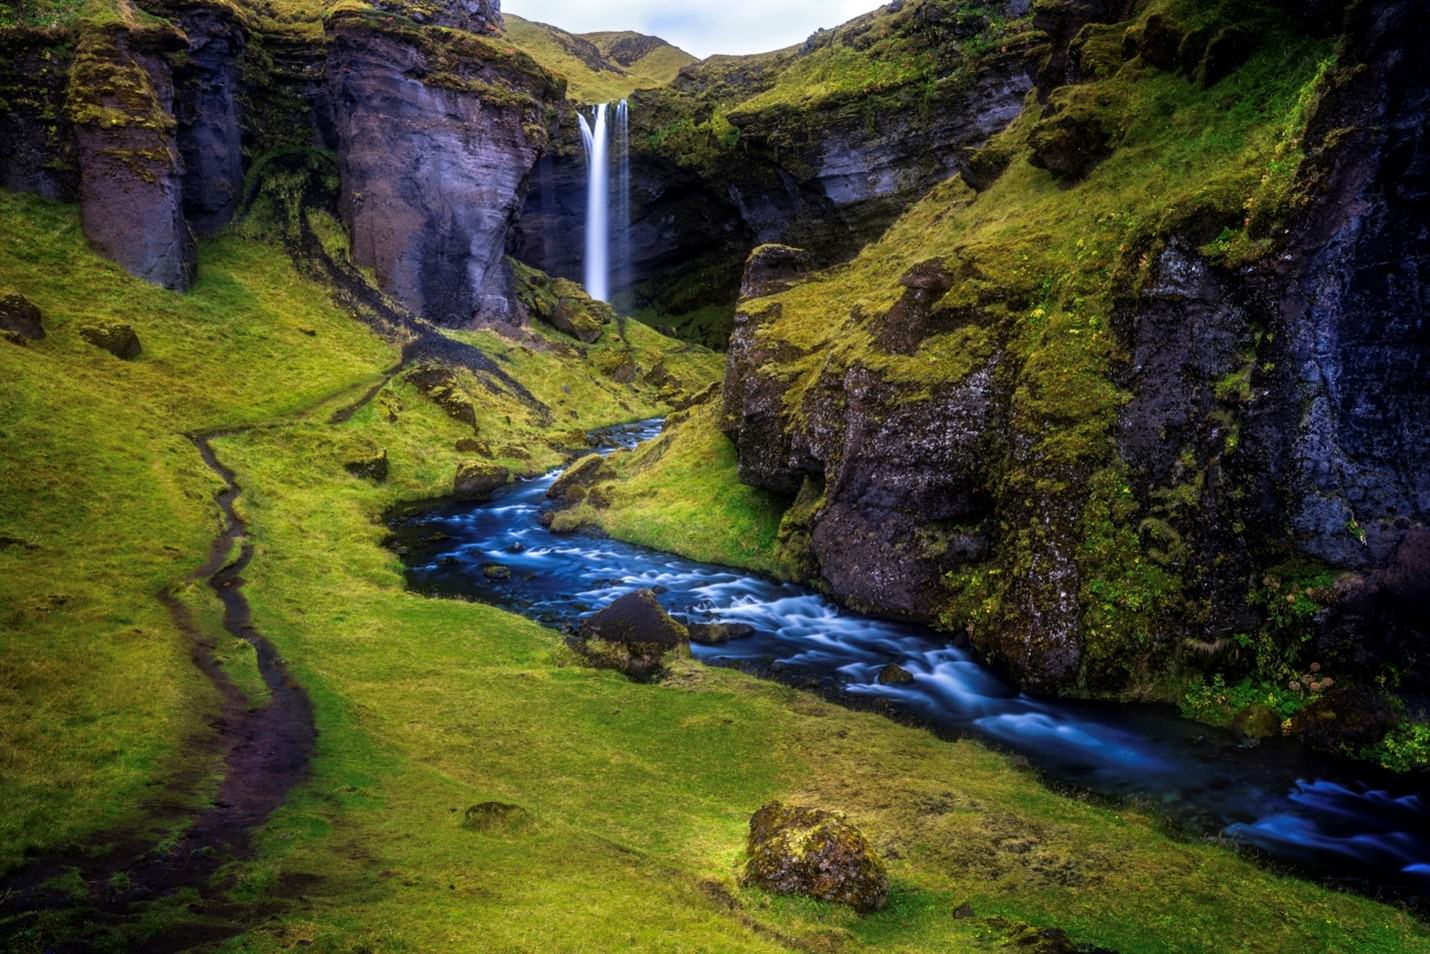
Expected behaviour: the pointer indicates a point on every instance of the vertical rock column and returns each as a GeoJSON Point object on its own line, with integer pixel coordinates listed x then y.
{"type": "Point", "coordinates": [120, 100]}
{"type": "Point", "coordinates": [438, 131]}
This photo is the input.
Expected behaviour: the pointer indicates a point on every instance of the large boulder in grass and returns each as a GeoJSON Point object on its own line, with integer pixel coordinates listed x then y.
{"type": "Point", "coordinates": [634, 635]}
{"type": "Point", "coordinates": [116, 337]}
{"type": "Point", "coordinates": [1068, 141]}
{"type": "Point", "coordinates": [475, 480]}
{"type": "Point", "coordinates": [19, 319]}
{"type": "Point", "coordinates": [814, 853]}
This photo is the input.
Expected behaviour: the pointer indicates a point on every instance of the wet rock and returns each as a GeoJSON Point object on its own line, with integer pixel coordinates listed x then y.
{"type": "Point", "coordinates": [895, 675]}
{"type": "Point", "coordinates": [1344, 720]}
{"type": "Point", "coordinates": [717, 634]}
{"type": "Point", "coordinates": [495, 571]}
{"type": "Point", "coordinates": [1068, 141]}
{"type": "Point", "coordinates": [475, 480]}
{"type": "Point", "coordinates": [117, 337]}
{"type": "Point", "coordinates": [816, 854]}
{"type": "Point", "coordinates": [771, 268]}
{"type": "Point", "coordinates": [497, 818]}
{"type": "Point", "coordinates": [633, 635]}
{"type": "Point", "coordinates": [371, 467]}
{"type": "Point", "coordinates": [577, 480]}
{"type": "Point", "coordinates": [20, 320]}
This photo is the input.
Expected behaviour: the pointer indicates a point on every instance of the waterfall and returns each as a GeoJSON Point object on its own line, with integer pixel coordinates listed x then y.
{"type": "Point", "coordinates": [608, 199]}
{"type": "Point", "coordinates": [598, 271]}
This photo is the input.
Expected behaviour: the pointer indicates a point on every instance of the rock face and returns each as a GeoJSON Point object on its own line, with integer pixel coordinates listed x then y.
{"type": "Point", "coordinates": [814, 853]}
{"type": "Point", "coordinates": [1264, 416]}
{"type": "Point", "coordinates": [210, 134]}
{"type": "Point", "coordinates": [434, 164]}
{"type": "Point", "coordinates": [131, 182]}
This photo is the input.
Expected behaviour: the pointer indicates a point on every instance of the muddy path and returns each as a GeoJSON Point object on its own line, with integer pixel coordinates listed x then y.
{"type": "Point", "coordinates": [265, 751]}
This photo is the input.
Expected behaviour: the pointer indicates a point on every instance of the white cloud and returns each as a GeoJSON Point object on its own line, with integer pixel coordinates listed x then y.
{"type": "Point", "coordinates": [702, 27]}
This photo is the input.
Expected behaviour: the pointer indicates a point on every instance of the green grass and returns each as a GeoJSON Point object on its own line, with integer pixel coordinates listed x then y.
{"type": "Point", "coordinates": [681, 493]}
{"type": "Point", "coordinates": [553, 48]}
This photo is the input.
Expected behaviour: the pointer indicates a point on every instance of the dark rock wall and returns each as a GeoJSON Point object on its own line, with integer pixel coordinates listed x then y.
{"type": "Point", "coordinates": [432, 175]}
{"type": "Point", "coordinates": [1274, 414]}
{"type": "Point", "coordinates": [131, 174]}
{"type": "Point", "coordinates": [207, 109]}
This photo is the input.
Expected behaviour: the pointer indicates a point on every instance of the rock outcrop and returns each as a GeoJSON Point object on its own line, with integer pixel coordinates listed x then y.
{"type": "Point", "coordinates": [1252, 428]}
{"type": "Point", "coordinates": [20, 319]}
{"type": "Point", "coordinates": [117, 337]}
{"type": "Point", "coordinates": [437, 135]}
{"type": "Point", "coordinates": [126, 146]}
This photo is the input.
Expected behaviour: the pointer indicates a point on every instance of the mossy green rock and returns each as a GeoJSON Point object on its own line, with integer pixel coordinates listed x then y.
{"type": "Point", "coordinates": [117, 337]}
{"type": "Point", "coordinates": [816, 854]}
{"type": "Point", "coordinates": [20, 320]}
{"type": "Point", "coordinates": [371, 467]}
{"type": "Point", "coordinates": [476, 480]}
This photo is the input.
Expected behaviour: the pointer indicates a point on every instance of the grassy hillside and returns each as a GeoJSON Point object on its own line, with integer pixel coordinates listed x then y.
{"type": "Point", "coordinates": [593, 65]}
{"type": "Point", "coordinates": [638, 795]}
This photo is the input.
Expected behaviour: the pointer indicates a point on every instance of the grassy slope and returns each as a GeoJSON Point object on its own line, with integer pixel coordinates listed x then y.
{"type": "Point", "coordinates": [640, 794]}
{"type": "Point", "coordinates": [682, 493]}
{"type": "Point", "coordinates": [584, 84]}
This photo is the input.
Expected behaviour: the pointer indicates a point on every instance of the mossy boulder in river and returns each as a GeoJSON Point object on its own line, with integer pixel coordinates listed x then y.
{"type": "Point", "coordinates": [815, 853]}
{"type": "Point", "coordinates": [634, 635]}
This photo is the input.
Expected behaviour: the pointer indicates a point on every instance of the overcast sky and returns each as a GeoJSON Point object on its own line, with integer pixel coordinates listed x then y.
{"type": "Point", "coordinates": [701, 27]}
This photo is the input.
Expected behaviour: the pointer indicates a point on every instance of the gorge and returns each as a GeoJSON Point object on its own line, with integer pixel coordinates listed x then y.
{"type": "Point", "coordinates": [956, 483]}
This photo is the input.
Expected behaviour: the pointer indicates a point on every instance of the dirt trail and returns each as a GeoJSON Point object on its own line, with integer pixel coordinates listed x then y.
{"type": "Point", "coordinates": [265, 752]}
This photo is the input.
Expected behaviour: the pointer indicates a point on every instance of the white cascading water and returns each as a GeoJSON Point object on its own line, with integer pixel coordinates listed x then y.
{"type": "Point", "coordinates": [598, 138]}
{"type": "Point", "coordinates": [598, 234]}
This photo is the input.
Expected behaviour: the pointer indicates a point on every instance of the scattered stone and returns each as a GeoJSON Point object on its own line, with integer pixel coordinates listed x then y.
{"type": "Point", "coordinates": [633, 635]}
{"type": "Point", "coordinates": [470, 445]}
{"type": "Point", "coordinates": [814, 853]}
{"type": "Point", "coordinates": [116, 337]}
{"type": "Point", "coordinates": [497, 817]}
{"type": "Point", "coordinates": [964, 911]}
{"type": "Point", "coordinates": [895, 675]}
{"type": "Point", "coordinates": [476, 480]}
{"type": "Point", "coordinates": [495, 571]}
{"type": "Point", "coordinates": [371, 467]}
{"type": "Point", "coordinates": [20, 320]}
{"type": "Point", "coordinates": [717, 634]}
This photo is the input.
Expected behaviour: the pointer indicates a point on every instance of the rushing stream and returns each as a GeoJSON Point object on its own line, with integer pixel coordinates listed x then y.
{"type": "Point", "coordinates": [1340, 822]}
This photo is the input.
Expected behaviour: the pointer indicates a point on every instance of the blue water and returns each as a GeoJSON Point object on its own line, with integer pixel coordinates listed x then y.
{"type": "Point", "coordinates": [1339, 822]}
